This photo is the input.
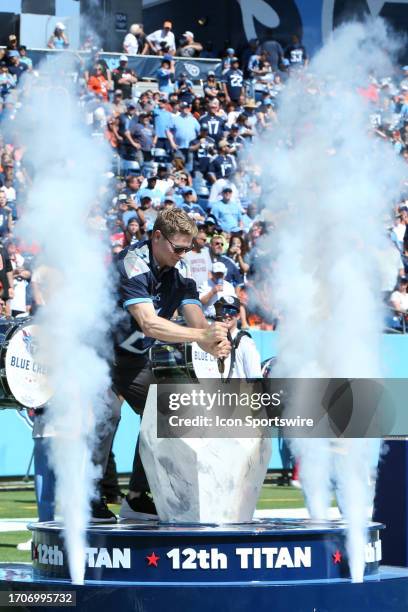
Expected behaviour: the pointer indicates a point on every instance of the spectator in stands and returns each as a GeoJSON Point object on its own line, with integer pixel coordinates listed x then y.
{"type": "Point", "coordinates": [6, 221]}
{"type": "Point", "coordinates": [12, 44]}
{"type": "Point", "coordinates": [132, 232]}
{"type": "Point", "coordinates": [296, 54]}
{"type": "Point", "coordinates": [188, 46]}
{"type": "Point", "coordinates": [198, 259]}
{"type": "Point", "coordinates": [188, 204]}
{"type": "Point", "coordinates": [216, 251]}
{"type": "Point", "coordinates": [163, 120]}
{"type": "Point", "coordinates": [143, 133]}
{"type": "Point", "coordinates": [124, 78]}
{"type": "Point", "coordinates": [58, 40]}
{"type": "Point", "coordinates": [98, 84]}
{"type": "Point", "coordinates": [130, 42]}
{"type": "Point", "coordinates": [215, 288]}
{"type": "Point", "coordinates": [21, 275]}
{"type": "Point", "coordinates": [399, 298]}
{"type": "Point", "coordinates": [24, 59]}
{"type": "Point", "coordinates": [211, 87]}
{"type": "Point", "coordinates": [223, 165]}
{"type": "Point", "coordinates": [227, 212]}
{"type": "Point", "coordinates": [165, 75]}
{"type": "Point", "coordinates": [6, 281]}
{"type": "Point", "coordinates": [7, 80]}
{"type": "Point", "coordinates": [226, 61]}
{"type": "Point", "coordinates": [118, 104]}
{"type": "Point", "coordinates": [162, 41]}
{"type": "Point", "coordinates": [127, 146]}
{"type": "Point", "coordinates": [233, 82]}
{"type": "Point", "coordinates": [16, 67]}
{"type": "Point", "coordinates": [184, 129]}
{"type": "Point", "coordinates": [236, 252]}
{"type": "Point", "coordinates": [215, 120]}
{"type": "Point", "coordinates": [184, 88]}
{"type": "Point", "coordinates": [273, 50]}
{"type": "Point", "coordinates": [203, 148]}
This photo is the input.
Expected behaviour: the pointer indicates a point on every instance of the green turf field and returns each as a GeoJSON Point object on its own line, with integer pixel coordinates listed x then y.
{"type": "Point", "coordinates": [21, 504]}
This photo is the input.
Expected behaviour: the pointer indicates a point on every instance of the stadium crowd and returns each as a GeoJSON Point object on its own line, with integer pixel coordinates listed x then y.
{"type": "Point", "coordinates": [190, 145]}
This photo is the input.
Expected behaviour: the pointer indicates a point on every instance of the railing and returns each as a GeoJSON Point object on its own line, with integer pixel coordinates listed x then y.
{"type": "Point", "coordinates": [145, 66]}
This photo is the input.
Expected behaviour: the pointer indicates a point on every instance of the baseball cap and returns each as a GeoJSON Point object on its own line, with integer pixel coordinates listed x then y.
{"type": "Point", "coordinates": [123, 58]}
{"type": "Point", "coordinates": [130, 104]}
{"type": "Point", "coordinates": [211, 73]}
{"type": "Point", "coordinates": [229, 302]}
{"type": "Point", "coordinates": [204, 126]}
{"type": "Point", "coordinates": [13, 53]}
{"type": "Point", "coordinates": [234, 59]}
{"type": "Point", "coordinates": [118, 92]}
{"type": "Point", "coordinates": [188, 33]}
{"type": "Point", "coordinates": [60, 25]}
{"type": "Point", "coordinates": [184, 74]}
{"type": "Point", "coordinates": [184, 105]}
{"type": "Point", "coordinates": [187, 190]}
{"type": "Point", "coordinates": [219, 268]}
{"type": "Point", "coordinates": [226, 188]}
{"type": "Point", "coordinates": [235, 126]}
{"type": "Point", "coordinates": [151, 177]}
{"type": "Point", "coordinates": [230, 51]}
{"type": "Point", "coordinates": [167, 57]}
{"type": "Point", "coordinates": [210, 220]}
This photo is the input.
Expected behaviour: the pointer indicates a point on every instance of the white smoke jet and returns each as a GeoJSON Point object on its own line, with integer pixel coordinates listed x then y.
{"type": "Point", "coordinates": [332, 186]}
{"type": "Point", "coordinates": [68, 169]}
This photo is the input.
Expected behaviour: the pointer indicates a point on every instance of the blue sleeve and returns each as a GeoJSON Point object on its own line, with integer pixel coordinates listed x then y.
{"type": "Point", "coordinates": [190, 293]}
{"type": "Point", "coordinates": [134, 290]}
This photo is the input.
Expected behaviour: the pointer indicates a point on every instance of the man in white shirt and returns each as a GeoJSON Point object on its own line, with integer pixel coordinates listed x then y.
{"type": "Point", "coordinates": [162, 40]}
{"type": "Point", "coordinates": [199, 260]}
{"type": "Point", "coordinates": [215, 288]}
{"type": "Point", "coordinates": [130, 44]}
{"type": "Point", "coordinates": [245, 358]}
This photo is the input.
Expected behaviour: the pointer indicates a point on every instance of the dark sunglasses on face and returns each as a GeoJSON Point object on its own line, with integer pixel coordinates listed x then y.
{"type": "Point", "coordinates": [178, 250]}
{"type": "Point", "coordinates": [230, 312]}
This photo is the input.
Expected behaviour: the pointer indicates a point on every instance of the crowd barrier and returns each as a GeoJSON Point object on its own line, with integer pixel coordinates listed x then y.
{"type": "Point", "coordinates": [145, 66]}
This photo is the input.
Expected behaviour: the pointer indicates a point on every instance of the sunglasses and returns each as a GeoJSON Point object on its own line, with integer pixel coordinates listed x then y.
{"type": "Point", "coordinates": [230, 312]}
{"type": "Point", "coordinates": [218, 243]}
{"type": "Point", "coordinates": [178, 249]}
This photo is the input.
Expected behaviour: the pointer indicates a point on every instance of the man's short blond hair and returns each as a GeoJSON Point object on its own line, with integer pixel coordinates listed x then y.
{"type": "Point", "coordinates": [175, 221]}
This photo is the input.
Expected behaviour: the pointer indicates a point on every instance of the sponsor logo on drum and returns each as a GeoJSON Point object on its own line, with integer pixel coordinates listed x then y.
{"type": "Point", "coordinates": [27, 364]}
{"type": "Point", "coordinates": [31, 343]}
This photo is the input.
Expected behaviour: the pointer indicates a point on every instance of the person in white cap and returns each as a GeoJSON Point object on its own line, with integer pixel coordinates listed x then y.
{"type": "Point", "coordinates": [58, 40]}
{"type": "Point", "coordinates": [130, 42]}
{"type": "Point", "coordinates": [215, 288]}
{"type": "Point", "coordinates": [188, 47]}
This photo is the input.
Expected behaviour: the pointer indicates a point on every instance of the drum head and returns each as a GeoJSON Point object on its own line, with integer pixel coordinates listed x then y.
{"type": "Point", "coordinates": [27, 378]}
{"type": "Point", "coordinates": [205, 365]}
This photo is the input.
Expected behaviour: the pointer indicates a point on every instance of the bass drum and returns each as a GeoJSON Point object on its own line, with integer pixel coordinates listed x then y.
{"type": "Point", "coordinates": [172, 362]}
{"type": "Point", "coordinates": [184, 361]}
{"type": "Point", "coordinates": [24, 379]}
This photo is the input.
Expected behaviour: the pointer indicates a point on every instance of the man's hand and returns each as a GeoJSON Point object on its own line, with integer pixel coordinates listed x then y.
{"type": "Point", "coordinates": [215, 340]}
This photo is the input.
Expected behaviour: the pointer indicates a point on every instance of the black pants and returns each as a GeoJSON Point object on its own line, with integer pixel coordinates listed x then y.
{"type": "Point", "coordinates": [132, 382]}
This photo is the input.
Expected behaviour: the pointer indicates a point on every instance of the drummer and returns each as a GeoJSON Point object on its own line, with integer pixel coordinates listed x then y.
{"type": "Point", "coordinates": [152, 286]}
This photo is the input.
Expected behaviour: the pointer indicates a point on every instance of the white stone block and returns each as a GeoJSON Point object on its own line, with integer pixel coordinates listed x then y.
{"type": "Point", "coordinates": [202, 480]}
